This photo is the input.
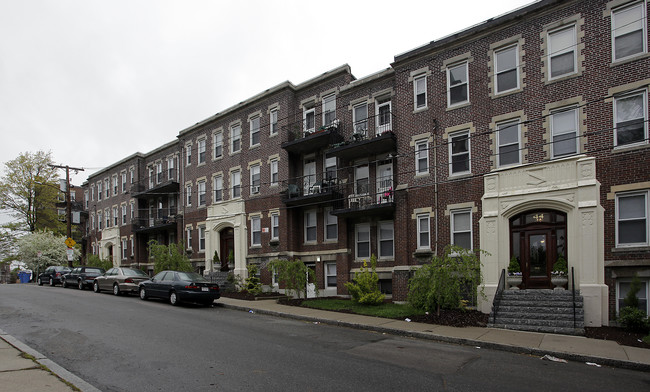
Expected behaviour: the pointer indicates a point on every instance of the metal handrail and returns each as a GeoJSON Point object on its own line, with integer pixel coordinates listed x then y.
{"type": "Point", "coordinates": [497, 296]}
{"type": "Point", "coordinates": [573, 292]}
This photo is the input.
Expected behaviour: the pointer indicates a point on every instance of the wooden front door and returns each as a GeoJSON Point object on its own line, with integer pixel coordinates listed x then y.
{"type": "Point", "coordinates": [227, 245]}
{"type": "Point", "coordinates": [538, 247]}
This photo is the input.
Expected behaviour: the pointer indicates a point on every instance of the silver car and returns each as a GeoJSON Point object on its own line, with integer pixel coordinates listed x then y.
{"type": "Point", "coordinates": [120, 280]}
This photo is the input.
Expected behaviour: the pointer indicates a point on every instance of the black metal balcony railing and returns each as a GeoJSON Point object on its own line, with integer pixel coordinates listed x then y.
{"type": "Point", "coordinates": [311, 184]}
{"type": "Point", "coordinates": [365, 194]}
{"type": "Point", "coordinates": [159, 218]}
{"type": "Point", "coordinates": [158, 180]}
{"type": "Point", "coordinates": [372, 126]}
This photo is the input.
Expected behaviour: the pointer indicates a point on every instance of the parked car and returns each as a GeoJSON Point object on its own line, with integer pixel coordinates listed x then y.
{"type": "Point", "coordinates": [178, 287]}
{"type": "Point", "coordinates": [120, 280]}
{"type": "Point", "coordinates": [52, 275]}
{"type": "Point", "coordinates": [81, 277]}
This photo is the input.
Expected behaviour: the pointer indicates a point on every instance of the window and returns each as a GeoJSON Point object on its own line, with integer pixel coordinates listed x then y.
{"type": "Point", "coordinates": [132, 247]}
{"type": "Point", "coordinates": [115, 186]}
{"type": "Point", "coordinates": [201, 192]}
{"type": "Point", "coordinates": [457, 85]}
{"type": "Point", "coordinates": [309, 119]}
{"type": "Point", "coordinates": [255, 131]}
{"type": "Point", "coordinates": [188, 232]}
{"type": "Point", "coordinates": [385, 234]}
{"type": "Point", "coordinates": [123, 175]}
{"type": "Point", "coordinates": [133, 210]}
{"type": "Point", "coordinates": [92, 221]}
{"type": "Point", "coordinates": [256, 231]}
{"type": "Point", "coordinates": [421, 157]}
{"type": "Point", "coordinates": [235, 183]}
{"type": "Point", "coordinates": [188, 154]}
{"type": "Point", "coordinates": [330, 170]}
{"type": "Point", "coordinates": [329, 109]}
{"type": "Point", "coordinates": [274, 172]}
{"type": "Point", "coordinates": [562, 51]}
{"type": "Point", "coordinates": [171, 168]}
{"type": "Point", "coordinates": [124, 214]}
{"type": "Point", "coordinates": [255, 179]}
{"type": "Point", "coordinates": [360, 119]}
{"type": "Point", "coordinates": [217, 188]}
{"type": "Point", "coordinates": [632, 219]}
{"type": "Point", "coordinates": [384, 116]}
{"type": "Point", "coordinates": [201, 238]}
{"type": "Point", "coordinates": [331, 225]}
{"type": "Point", "coordinates": [508, 141]}
{"type": "Point", "coordinates": [275, 226]}
{"type": "Point", "coordinates": [630, 117]}
{"type": "Point", "coordinates": [132, 175]}
{"type": "Point", "coordinates": [124, 249]}
{"type": "Point", "coordinates": [423, 231]}
{"type": "Point", "coordinates": [459, 156]}
{"type": "Point", "coordinates": [624, 288]}
{"type": "Point", "coordinates": [362, 240]}
{"type": "Point", "coordinates": [461, 228]}
{"type": "Point", "coordinates": [99, 191]}
{"type": "Point", "coordinates": [201, 150]}
{"type": "Point", "coordinates": [107, 215]}
{"type": "Point", "coordinates": [361, 180]}
{"type": "Point", "coordinates": [420, 92]}
{"type": "Point", "coordinates": [506, 69]}
{"type": "Point", "coordinates": [235, 138]}
{"type": "Point", "coordinates": [107, 188]}
{"type": "Point", "coordinates": [92, 192]}
{"type": "Point", "coordinates": [310, 226]}
{"type": "Point", "coordinates": [628, 31]}
{"type": "Point", "coordinates": [330, 275]}
{"type": "Point", "coordinates": [159, 173]}
{"type": "Point", "coordinates": [273, 120]}
{"type": "Point", "coordinates": [151, 177]}
{"type": "Point", "coordinates": [217, 144]}
{"type": "Point", "coordinates": [86, 199]}
{"type": "Point", "coordinates": [188, 195]}
{"type": "Point", "coordinates": [116, 217]}
{"type": "Point", "coordinates": [564, 130]}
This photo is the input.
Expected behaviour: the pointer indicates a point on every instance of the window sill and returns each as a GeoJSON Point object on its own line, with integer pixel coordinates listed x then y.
{"type": "Point", "coordinates": [422, 175]}
{"type": "Point", "coordinates": [459, 106]}
{"type": "Point", "coordinates": [273, 134]}
{"type": "Point", "coordinates": [256, 246]}
{"type": "Point", "coordinates": [631, 147]}
{"type": "Point", "coordinates": [217, 158]}
{"type": "Point", "coordinates": [562, 78]}
{"type": "Point", "coordinates": [255, 146]}
{"type": "Point", "coordinates": [460, 176]}
{"type": "Point", "coordinates": [496, 95]}
{"type": "Point", "coordinates": [630, 59]}
{"type": "Point", "coordinates": [642, 248]}
{"type": "Point", "coordinates": [310, 243]}
{"type": "Point", "coordinates": [420, 110]}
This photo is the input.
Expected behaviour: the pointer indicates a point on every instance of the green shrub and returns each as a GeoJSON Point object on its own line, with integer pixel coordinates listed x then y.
{"type": "Point", "coordinates": [294, 275]}
{"type": "Point", "coordinates": [561, 266]}
{"type": "Point", "coordinates": [514, 266]}
{"type": "Point", "coordinates": [631, 298]}
{"type": "Point", "coordinates": [364, 289]}
{"type": "Point", "coordinates": [634, 319]}
{"type": "Point", "coordinates": [96, 261]}
{"type": "Point", "coordinates": [169, 257]}
{"type": "Point", "coordinates": [252, 283]}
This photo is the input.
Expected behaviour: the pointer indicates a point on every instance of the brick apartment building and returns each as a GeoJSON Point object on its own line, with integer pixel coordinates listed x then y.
{"type": "Point", "coordinates": [525, 136]}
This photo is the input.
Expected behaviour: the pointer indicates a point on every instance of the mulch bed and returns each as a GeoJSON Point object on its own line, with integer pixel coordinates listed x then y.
{"type": "Point", "coordinates": [473, 318]}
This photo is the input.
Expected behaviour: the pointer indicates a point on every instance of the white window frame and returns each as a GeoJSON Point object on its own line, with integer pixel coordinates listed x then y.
{"type": "Point", "coordinates": [171, 168]}
{"type": "Point", "coordinates": [100, 191]}
{"type": "Point", "coordinates": [273, 122]}
{"type": "Point", "coordinates": [569, 112]}
{"type": "Point", "coordinates": [462, 83]}
{"type": "Point", "coordinates": [379, 117]}
{"type": "Point", "coordinates": [554, 52]}
{"type": "Point", "coordinates": [627, 28]}
{"type": "Point", "coordinates": [620, 297]}
{"type": "Point", "coordinates": [255, 170]}
{"type": "Point", "coordinates": [123, 214]}
{"type": "Point", "coordinates": [360, 123]}
{"type": "Point", "coordinates": [235, 184]}
{"type": "Point", "coordinates": [132, 246]}
{"type": "Point", "coordinates": [217, 145]}
{"type": "Point", "coordinates": [132, 205]}
{"type": "Point", "coordinates": [107, 217]}
{"type": "Point", "coordinates": [645, 194]}
{"type": "Point", "coordinates": [123, 178]}
{"type": "Point", "coordinates": [217, 188]}
{"type": "Point", "coordinates": [644, 108]}
{"type": "Point", "coordinates": [311, 224]}
{"type": "Point", "coordinates": [331, 220]}
{"type": "Point", "coordinates": [385, 225]}
{"type": "Point", "coordinates": [501, 127]}
{"type": "Point", "coordinates": [420, 89]}
{"type": "Point", "coordinates": [424, 228]}
{"type": "Point", "coordinates": [124, 248]}
{"type": "Point", "coordinates": [200, 190]}
{"type": "Point", "coordinates": [453, 136]}
{"type": "Point", "coordinates": [330, 274]}
{"type": "Point", "coordinates": [188, 235]}
{"type": "Point", "coordinates": [201, 146]}
{"type": "Point", "coordinates": [422, 155]}
{"type": "Point", "coordinates": [359, 228]}
{"type": "Point", "coordinates": [116, 186]}
{"type": "Point", "coordinates": [235, 138]}
{"type": "Point", "coordinates": [329, 109]}
{"type": "Point", "coordinates": [188, 195]}
{"type": "Point", "coordinates": [254, 125]}
{"type": "Point", "coordinates": [188, 154]}
{"type": "Point", "coordinates": [100, 220]}
{"type": "Point", "coordinates": [256, 231]}
{"type": "Point", "coordinates": [306, 113]}
{"type": "Point", "coordinates": [275, 171]}
{"type": "Point", "coordinates": [201, 238]}
{"type": "Point", "coordinates": [455, 231]}
{"type": "Point", "coordinates": [116, 217]}
{"type": "Point", "coordinates": [107, 188]}
{"type": "Point", "coordinates": [498, 71]}
{"type": "Point", "coordinates": [275, 226]}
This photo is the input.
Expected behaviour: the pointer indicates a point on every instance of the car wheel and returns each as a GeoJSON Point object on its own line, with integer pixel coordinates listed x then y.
{"type": "Point", "coordinates": [64, 284]}
{"type": "Point", "coordinates": [80, 284]}
{"type": "Point", "coordinates": [173, 298]}
{"type": "Point", "coordinates": [40, 281]}
{"type": "Point", "coordinates": [143, 294]}
{"type": "Point", "coordinates": [116, 289]}
{"type": "Point", "coordinates": [52, 282]}
{"type": "Point", "coordinates": [96, 287]}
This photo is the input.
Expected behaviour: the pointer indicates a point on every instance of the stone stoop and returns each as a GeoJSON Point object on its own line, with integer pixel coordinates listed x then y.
{"type": "Point", "coordinates": [539, 311]}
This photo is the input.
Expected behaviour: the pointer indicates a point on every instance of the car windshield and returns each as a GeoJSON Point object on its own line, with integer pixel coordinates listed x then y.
{"type": "Point", "coordinates": [191, 277]}
{"type": "Point", "coordinates": [93, 270]}
{"type": "Point", "coordinates": [134, 272]}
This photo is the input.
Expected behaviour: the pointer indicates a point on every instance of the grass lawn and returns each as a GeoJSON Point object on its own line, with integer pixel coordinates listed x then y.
{"type": "Point", "coordinates": [387, 310]}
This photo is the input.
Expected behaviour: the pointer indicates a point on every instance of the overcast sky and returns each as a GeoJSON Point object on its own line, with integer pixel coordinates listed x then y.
{"type": "Point", "coordinates": [96, 81]}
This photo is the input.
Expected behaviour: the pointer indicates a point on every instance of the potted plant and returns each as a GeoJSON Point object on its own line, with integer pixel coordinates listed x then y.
{"type": "Point", "coordinates": [559, 277]}
{"type": "Point", "coordinates": [514, 273]}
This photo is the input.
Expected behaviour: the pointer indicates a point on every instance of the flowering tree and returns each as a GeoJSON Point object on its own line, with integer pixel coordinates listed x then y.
{"type": "Point", "coordinates": [41, 249]}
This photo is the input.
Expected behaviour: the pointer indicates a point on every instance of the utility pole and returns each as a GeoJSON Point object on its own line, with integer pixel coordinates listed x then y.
{"type": "Point", "coordinates": [68, 207]}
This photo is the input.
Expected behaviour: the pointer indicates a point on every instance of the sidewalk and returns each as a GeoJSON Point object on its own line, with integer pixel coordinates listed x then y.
{"type": "Point", "coordinates": [574, 348]}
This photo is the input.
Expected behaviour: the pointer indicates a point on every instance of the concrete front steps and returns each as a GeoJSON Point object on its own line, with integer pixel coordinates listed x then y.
{"type": "Point", "coordinates": [548, 311]}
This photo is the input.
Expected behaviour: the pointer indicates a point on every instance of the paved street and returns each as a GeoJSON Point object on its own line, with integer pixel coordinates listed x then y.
{"type": "Point", "coordinates": [125, 344]}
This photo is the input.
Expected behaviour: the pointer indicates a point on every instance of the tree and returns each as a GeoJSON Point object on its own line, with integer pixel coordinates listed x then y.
{"type": "Point", "coordinates": [169, 257]}
{"type": "Point", "coordinates": [28, 191]}
{"type": "Point", "coordinates": [41, 249]}
{"type": "Point", "coordinates": [96, 261]}
{"type": "Point", "coordinates": [443, 282]}
{"type": "Point", "coordinates": [294, 275]}
{"type": "Point", "coordinates": [365, 287]}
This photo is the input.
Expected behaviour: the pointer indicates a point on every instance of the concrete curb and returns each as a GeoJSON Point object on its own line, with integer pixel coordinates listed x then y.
{"type": "Point", "coordinates": [454, 340]}
{"type": "Point", "coordinates": [55, 368]}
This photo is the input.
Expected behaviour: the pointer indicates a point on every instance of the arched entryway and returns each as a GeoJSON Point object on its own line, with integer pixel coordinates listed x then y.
{"type": "Point", "coordinates": [537, 239]}
{"type": "Point", "coordinates": [226, 246]}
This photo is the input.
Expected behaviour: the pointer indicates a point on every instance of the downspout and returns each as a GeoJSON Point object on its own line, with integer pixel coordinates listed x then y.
{"type": "Point", "coordinates": [435, 186]}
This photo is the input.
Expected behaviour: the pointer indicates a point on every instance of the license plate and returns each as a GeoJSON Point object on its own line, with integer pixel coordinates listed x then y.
{"type": "Point", "coordinates": [205, 289]}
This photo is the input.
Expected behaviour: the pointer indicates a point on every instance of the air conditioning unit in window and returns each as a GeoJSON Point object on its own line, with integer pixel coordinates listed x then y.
{"type": "Point", "coordinates": [255, 189]}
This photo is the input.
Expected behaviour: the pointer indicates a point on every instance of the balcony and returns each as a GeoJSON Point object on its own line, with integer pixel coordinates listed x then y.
{"type": "Point", "coordinates": [311, 189]}
{"type": "Point", "coordinates": [162, 220]}
{"type": "Point", "coordinates": [163, 182]}
{"type": "Point", "coordinates": [371, 136]}
{"type": "Point", "coordinates": [365, 197]}
{"type": "Point", "coordinates": [306, 136]}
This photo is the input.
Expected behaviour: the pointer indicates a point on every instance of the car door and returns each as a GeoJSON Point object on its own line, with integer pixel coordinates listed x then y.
{"type": "Point", "coordinates": [105, 283]}
{"type": "Point", "coordinates": [154, 288]}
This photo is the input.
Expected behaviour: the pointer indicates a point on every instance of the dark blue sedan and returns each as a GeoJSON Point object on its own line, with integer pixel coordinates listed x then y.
{"type": "Point", "coordinates": [177, 287]}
